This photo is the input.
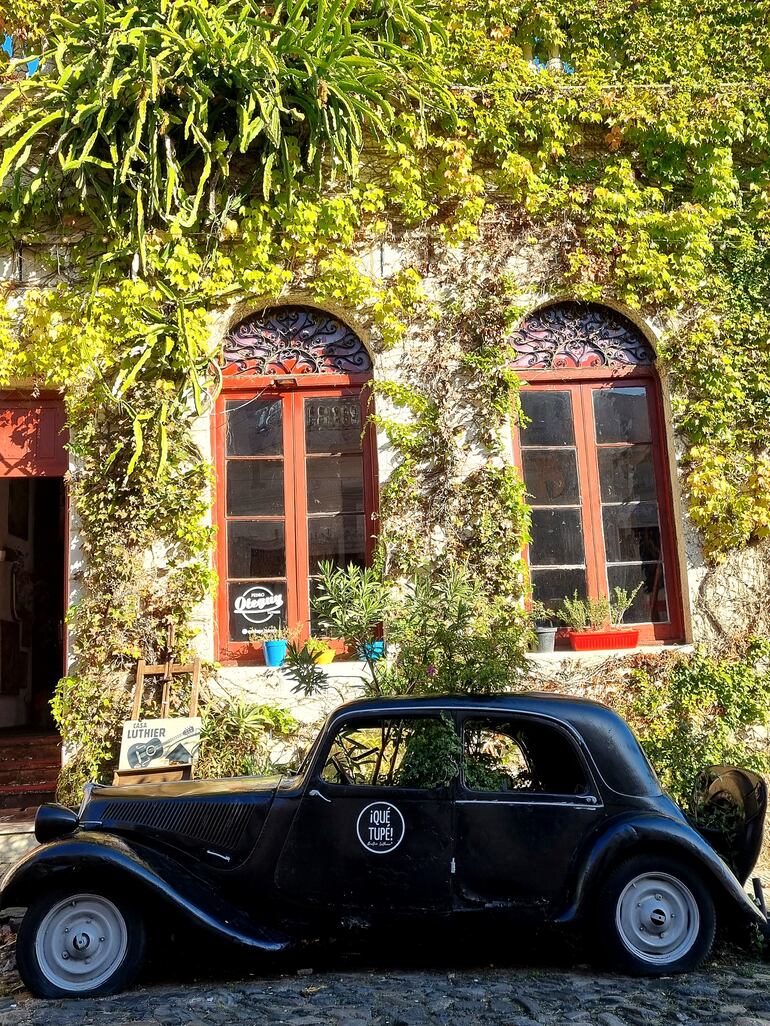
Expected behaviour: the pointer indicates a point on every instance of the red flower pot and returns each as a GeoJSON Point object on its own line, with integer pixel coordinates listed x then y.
{"type": "Point", "coordinates": [593, 641]}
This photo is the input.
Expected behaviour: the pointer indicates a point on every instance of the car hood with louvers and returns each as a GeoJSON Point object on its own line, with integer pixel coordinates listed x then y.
{"type": "Point", "coordinates": [221, 819]}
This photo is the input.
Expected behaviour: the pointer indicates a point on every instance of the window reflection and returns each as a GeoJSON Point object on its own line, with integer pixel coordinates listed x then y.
{"type": "Point", "coordinates": [588, 465]}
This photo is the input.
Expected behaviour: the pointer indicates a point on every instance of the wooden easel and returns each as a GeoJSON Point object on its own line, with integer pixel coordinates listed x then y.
{"type": "Point", "coordinates": [166, 671]}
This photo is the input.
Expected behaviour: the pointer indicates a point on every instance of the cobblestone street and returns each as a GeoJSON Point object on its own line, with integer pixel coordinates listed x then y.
{"type": "Point", "coordinates": [730, 991]}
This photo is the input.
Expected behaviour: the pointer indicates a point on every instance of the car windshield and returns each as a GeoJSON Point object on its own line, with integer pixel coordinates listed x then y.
{"type": "Point", "coordinates": [300, 763]}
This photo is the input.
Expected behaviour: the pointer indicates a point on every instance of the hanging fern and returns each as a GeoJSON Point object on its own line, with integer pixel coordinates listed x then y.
{"type": "Point", "coordinates": [163, 111]}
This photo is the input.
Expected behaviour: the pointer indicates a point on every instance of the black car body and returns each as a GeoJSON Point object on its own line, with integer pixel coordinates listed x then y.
{"type": "Point", "coordinates": [538, 807]}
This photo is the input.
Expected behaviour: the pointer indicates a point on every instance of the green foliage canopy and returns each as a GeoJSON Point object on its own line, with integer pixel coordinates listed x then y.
{"type": "Point", "coordinates": [144, 109]}
{"type": "Point", "coordinates": [700, 711]}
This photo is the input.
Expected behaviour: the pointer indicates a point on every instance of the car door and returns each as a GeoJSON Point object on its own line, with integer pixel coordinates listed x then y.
{"type": "Point", "coordinates": [526, 801]}
{"type": "Point", "coordinates": [374, 825]}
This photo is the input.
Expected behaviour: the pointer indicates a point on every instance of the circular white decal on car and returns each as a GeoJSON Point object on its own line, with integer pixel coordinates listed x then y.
{"type": "Point", "coordinates": [380, 827]}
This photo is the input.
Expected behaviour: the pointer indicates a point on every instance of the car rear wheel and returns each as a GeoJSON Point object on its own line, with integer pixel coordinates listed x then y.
{"type": "Point", "coordinates": [655, 916]}
{"type": "Point", "coordinates": [78, 943]}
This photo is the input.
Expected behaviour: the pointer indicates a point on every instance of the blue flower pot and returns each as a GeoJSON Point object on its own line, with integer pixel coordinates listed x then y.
{"type": "Point", "coordinates": [373, 650]}
{"type": "Point", "coordinates": [275, 652]}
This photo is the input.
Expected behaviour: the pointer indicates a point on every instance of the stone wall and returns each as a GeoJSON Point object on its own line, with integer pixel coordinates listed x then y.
{"type": "Point", "coordinates": [718, 601]}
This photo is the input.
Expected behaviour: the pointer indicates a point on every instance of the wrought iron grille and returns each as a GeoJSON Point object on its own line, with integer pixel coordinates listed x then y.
{"type": "Point", "coordinates": [295, 340]}
{"type": "Point", "coordinates": [569, 335]}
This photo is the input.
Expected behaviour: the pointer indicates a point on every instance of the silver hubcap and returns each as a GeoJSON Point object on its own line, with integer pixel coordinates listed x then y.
{"type": "Point", "coordinates": [81, 942]}
{"type": "Point", "coordinates": [657, 918]}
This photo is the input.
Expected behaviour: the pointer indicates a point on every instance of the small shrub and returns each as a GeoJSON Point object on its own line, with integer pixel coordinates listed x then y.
{"type": "Point", "coordinates": [621, 602]}
{"type": "Point", "coordinates": [433, 754]}
{"type": "Point", "coordinates": [584, 614]}
{"type": "Point", "coordinates": [444, 634]}
{"type": "Point", "coordinates": [240, 739]}
{"type": "Point", "coordinates": [702, 711]}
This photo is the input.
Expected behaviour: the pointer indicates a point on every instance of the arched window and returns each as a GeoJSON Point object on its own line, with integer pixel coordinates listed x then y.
{"type": "Point", "coordinates": [295, 469]}
{"type": "Point", "coordinates": [593, 456]}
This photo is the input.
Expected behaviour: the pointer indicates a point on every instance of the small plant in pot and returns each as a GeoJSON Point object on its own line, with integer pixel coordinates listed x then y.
{"type": "Point", "coordinates": [274, 641]}
{"type": "Point", "coordinates": [589, 621]}
{"type": "Point", "coordinates": [620, 603]}
{"type": "Point", "coordinates": [320, 651]}
{"type": "Point", "coordinates": [543, 627]}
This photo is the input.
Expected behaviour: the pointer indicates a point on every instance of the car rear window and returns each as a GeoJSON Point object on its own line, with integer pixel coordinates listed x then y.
{"type": "Point", "coordinates": [521, 755]}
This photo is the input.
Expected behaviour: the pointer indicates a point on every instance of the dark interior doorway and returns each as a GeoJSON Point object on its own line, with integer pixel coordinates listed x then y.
{"type": "Point", "coordinates": [32, 598]}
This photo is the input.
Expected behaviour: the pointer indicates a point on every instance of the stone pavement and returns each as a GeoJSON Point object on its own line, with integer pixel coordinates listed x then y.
{"type": "Point", "coordinates": [731, 991]}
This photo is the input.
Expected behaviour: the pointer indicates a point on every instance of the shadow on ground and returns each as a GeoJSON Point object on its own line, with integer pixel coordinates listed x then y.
{"type": "Point", "coordinates": [444, 947]}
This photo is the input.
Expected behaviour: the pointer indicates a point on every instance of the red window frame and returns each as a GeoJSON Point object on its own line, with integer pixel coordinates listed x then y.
{"type": "Point", "coordinates": [581, 382]}
{"type": "Point", "coordinates": [292, 391]}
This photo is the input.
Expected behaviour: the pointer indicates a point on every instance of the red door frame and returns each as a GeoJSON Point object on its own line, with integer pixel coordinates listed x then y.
{"type": "Point", "coordinates": [292, 390]}
{"type": "Point", "coordinates": [45, 433]}
{"type": "Point", "coordinates": [48, 406]}
{"type": "Point", "coordinates": [579, 382]}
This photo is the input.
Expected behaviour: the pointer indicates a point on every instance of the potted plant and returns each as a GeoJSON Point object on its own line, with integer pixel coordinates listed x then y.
{"type": "Point", "coordinates": [543, 626]}
{"type": "Point", "coordinates": [620, 603]}
{"type": "Point", "coordinates": [371, 651]}
{"type": "Point", "coordinates": [320, 651]}
{"type": "Point", "coordinates": [274, 641]}
{"type": "Point", "coordinates": [589, 621]}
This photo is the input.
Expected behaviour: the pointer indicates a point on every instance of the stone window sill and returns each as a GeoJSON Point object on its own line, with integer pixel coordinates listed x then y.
{"type": "Point", "coordinates": [343, 668]}
{"type": "Point", "coordinates": [599, 655]}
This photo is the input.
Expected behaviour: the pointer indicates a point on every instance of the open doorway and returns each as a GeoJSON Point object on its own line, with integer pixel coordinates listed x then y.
{"type": "Point", "coordinates": [32, 598]}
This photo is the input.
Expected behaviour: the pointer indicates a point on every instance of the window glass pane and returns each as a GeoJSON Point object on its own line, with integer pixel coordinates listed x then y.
{"type": "Point", "coordinates": [621, 415]}
{"type": "Point", "coordinates": [557, 537]}
{"type": "Point", "coordinates": [631, 532]}
{"type": "Point", "coordinates": [521, 756]}
{"type": "Point", "coordinates": [650, 604]}
{"type": "Point", "coordinates": [551, 476]}
{"type": "Point", "coordinates": [626, 473]}
{"type": "Point", "coordinates": [254, 488]}
{"type": "Point", "coordinates": [335, 484]}
{"type": "Point", "coordinates": [253, 427]}
{"type": "Point", "coordinates": [340, 539]}
{"type": "Point", "coordinates": [551, 586]}
{"type": "Point", "coordinates": [549, 416]}
{"type": "Point", "coordinates": [493, 760]}
{"type": "Point", "coordinates": [392, 753]}
{"type": "Point", "coordinates": [333, 425]}
{"type": "Point", "coordinates": [255, 606]}
{"type": "Point", "coordinates": [256, 548]}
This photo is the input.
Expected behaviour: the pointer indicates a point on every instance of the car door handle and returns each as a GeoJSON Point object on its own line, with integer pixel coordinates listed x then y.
{"type": "Point", "coordinates": [317, 794]}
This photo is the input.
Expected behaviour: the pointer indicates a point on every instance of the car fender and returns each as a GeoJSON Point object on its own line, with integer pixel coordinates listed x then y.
{"type": "Point", "coordinates": [111, 858]}
{"type": "Point", "coordinates": [623, 836]}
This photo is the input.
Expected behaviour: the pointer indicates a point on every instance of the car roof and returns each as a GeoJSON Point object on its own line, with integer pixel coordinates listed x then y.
{"type": "Point", "coordinates": [614, 749]}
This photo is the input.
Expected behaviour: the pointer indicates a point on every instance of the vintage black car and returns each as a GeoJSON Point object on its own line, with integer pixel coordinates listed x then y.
{"type": "Point", "coordinates": [534, 807]}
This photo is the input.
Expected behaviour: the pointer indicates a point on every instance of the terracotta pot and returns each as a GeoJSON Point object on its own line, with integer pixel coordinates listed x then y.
{"type": "Point", "coordinates": [593, 641]}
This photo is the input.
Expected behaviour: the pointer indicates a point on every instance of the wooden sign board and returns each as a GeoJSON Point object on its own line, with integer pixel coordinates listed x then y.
{"type": "Point", "coordinates": [151, 745]}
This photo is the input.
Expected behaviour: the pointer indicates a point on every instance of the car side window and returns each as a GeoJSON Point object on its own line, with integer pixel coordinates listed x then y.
{"type": "Point", "coordinates": [408, 752]}
{"type": "Point", "coordinates": [519, 755]}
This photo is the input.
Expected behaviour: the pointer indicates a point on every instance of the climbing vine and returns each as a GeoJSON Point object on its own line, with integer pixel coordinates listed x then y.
{"type": "Point", "coordinates": [181, 157]}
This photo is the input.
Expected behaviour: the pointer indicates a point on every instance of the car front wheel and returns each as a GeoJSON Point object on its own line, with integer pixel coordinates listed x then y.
{"type": "Point", "coordinates": [655, 916]}
{"type": "Point", "coordinates": [79, 944]}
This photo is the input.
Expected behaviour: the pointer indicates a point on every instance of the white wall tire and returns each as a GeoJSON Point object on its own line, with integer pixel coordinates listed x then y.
{"type": "Point", "coordinates": [79, 943]}
{"type": "Point", "coordinates": [655, 916]}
